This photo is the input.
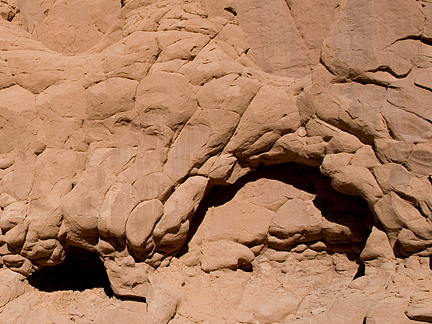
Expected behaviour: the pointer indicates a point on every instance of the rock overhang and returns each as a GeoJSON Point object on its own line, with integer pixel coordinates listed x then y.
{"type": "Point", "coordinates": [112, 150]}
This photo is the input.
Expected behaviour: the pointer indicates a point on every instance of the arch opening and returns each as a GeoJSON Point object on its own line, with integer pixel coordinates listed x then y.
{"type": "Point", "coordinates": [80, 270]}
{"type": "Point", "coordinates": [349, 216]}
{"type": "Point", "coordinates": [345, 222]}
{"type": "Point", "coordinates": [280, 235]}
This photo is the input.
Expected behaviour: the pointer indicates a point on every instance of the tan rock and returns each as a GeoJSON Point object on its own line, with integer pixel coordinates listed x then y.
{"type": "Point", "coordinates": [334, 162]}
{"type": "Point", "coordinates": [181, 45]}
{"type": "Point", "coordinates": [321, 15]}
{"type": "Point", "coordinates": [130, 57]}
{"type": "Point", "coordinates": [419, 307]}
{"type": "Point", "coordinates": [94, 20]}
{"type": "Point", "coordinates": [7, 12]}
{"type": "Point", "coordinates": [194, 24]}
{"type": "Point", "coordinates": [270, 193]}
{"type": "Point", "coordinates": [343, 142]}
{"type": "Point", "coordinates": [141, 222]}
{"type": "Point", "coordinates": [16, 102]}
{"type": "Point", "coordinates": [249, 226]}
{"type": "Point", "coordinates": [419, 162]}
{"type": "Point", "coordinates": [293, 147]}
{"type": "Point", "coordinates": [233, 35]}
{"type": "Point", "coordinates": [389, 310]}
{"type": "Point", "coordinates": [338, 230]}
{"type": "Point", "coordinates": [118, 204]}
{"type": "Point", "coordinates": [254, 132]}
{"type": "Point", "coordinates": [297, 217]}
{"type": "Point", "coordinates": [118, 117]}
{"type": "Point", "coordinates": [183, 157]}
{"type": "Point", "coordinates": [225, 254]}
{"type": "Point", "coordinates": [365, 157]}
{"type": "Point", "coordinates": [253, 307]}
{"type": "Point", "coordinates": [211, 63]}
{"type": "Point", "coordinates": [349, 106]}
{"type": "Point", "coordinates": [165, 98]}
{"type": "Point", "coordinates": [374, 40]}
{"type": "Point", "coordinates": [18, 263]}
{"type": "Point", "coordinates": [395, 213]}
{"type": "Point", "coordinates": [12, 286]}
{"type": "Point", "coordinates": [406, 126]}
{"type": "Point", "coordinates": [393, 151]}
{"type": "Point", "coordinates": [355, 180]}
{"type": "Point", "coordinates": [408, 95]}
{"type": "Point", "coordinates": [66, 99]}
{"type": "Point", "coordinates": [411, 243]}
{"type": "Point", "coordinates": [5, 75]}
{"type": "Point", "coordinates": [162, 307]}
{"type": "Point", "coordinates": [119, 313]}
{"type": "Point", "coordinates": [110, 97]}
{"type": "Point", "coordinates": [222, 167]}
{"type": "Point", "coordinates": [420, 188]}
{"type": "Point", "coordinates": [265, 44]}
{"type": "Point", "coordinates": [392, 177]}
{"type": "Point", "coordinates": [423, 78]}
{"type": "Point", "coordinates": [17, 235]}
{"type": "Point", "coordinates": [13, 214]}
{"type": "Point", "coordinates": [81, 214]}
{"type": "Point", "coordinates": [127, 278]}
{"type": "Point", "coordinates": [153, 186]}
{"type": "Point", "coordinates": [269, 313]}
{"type": "Point", "coordinates": [37, 70]}
{"type": "Point", "coordinates": [377, 249]}
{"type": "Point", "coordinates": [230, 92]}
{"type": "Point", "coordinates": [178, 211]}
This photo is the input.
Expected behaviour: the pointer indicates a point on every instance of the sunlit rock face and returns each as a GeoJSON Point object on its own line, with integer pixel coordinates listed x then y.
{"type": "Point", "coordinates": [234, 161]}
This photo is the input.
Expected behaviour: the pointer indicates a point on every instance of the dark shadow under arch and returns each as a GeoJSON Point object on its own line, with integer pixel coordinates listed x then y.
{"type": "Point", "coordinates": [332, 204]}
{"type": "Point", "coordinates": [80, 270]}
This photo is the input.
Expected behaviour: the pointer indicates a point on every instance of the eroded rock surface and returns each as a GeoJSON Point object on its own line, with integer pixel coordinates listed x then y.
{"type": "Point", "coordinates": [119, 118]}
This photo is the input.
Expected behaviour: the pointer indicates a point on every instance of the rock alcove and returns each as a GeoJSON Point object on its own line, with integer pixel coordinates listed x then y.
{"type": "Point", "coordinates": [251, 204]}
{"type": "Point", "coordinates": [79, 271]}
{"type": "Point", "coordinates": [115, 122]}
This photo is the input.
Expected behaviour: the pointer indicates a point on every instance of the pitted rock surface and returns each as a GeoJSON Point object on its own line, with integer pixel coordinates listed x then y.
{"type": "Point", "coordinates": [119, 119]}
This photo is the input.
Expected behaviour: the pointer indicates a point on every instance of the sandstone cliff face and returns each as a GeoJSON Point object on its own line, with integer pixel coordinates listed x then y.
{"type": "Point", "coordinates": [231, 161]}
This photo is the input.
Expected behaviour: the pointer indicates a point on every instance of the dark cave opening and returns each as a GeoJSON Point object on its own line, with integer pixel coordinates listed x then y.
{"type": "Point", "coordinates": [361, 269]}
{"type": "Point", "coordinates": [221, 194]}
{"type": "Point", "coordinates": [333, 205]}
{"type": "Point", "coordinates": [80, 270]}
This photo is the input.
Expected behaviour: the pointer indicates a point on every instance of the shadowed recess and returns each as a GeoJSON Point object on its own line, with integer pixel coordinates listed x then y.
{"type": "Point", "coordinates": [80, 270]}
{"type": "Point", "coordinates": [333, 205]}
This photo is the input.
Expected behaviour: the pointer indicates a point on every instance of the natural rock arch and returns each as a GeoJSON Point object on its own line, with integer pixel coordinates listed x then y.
{"type": "Point", "coordinates": [254, 210]}
{"type": "Point", "coordinates": [113, 149]}
{"type": "Point", "coordinates": [79, 271]}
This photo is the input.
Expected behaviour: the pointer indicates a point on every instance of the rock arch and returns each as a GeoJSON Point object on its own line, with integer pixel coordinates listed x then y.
{"type": "Point", "coordinates": [112, 150]}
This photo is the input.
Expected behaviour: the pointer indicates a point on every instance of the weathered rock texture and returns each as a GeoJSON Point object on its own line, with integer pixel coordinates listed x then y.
{"type": "Point", "coordinates": [117, 118]}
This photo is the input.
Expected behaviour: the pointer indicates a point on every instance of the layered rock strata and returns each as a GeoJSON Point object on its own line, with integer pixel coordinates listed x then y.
{"type": "Point", "coordinates": [118, 117]}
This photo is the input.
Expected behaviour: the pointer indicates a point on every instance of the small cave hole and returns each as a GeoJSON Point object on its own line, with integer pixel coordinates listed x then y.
{"type": "Point", "coordinates": [231, 10]}
{"type": "Point", "coordinates": [80, 270]}
{"type": "Point", "coordinates": [246, 267]}
{"type": "Point", "coordinates": [360, 271]}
